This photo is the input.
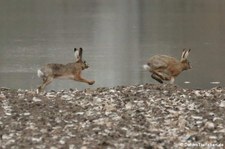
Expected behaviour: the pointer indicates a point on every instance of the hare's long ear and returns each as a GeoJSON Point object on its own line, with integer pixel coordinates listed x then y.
{"type": "Point", "coordinates": [182, 55]}
{"type": "Point", "coordinates": [185, 54]}
{"type": "Point", "coordinates": [76, 55]}
{"type": "Point", "coordinates": [81, 53]}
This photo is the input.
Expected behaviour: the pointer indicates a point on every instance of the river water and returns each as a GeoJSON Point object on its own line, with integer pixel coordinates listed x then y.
{"type": "Point", "coordinates": [117, 36]}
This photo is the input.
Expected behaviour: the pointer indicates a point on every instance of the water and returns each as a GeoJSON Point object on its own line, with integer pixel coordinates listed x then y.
{"type": "Point", "coordinates": [117, 37]}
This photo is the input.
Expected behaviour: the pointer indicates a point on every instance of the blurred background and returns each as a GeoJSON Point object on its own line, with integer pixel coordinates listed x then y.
{"type": "Point", "coordinates": [118, 36]}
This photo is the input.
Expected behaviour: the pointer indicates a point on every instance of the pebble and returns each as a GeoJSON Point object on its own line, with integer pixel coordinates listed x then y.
{"type": "Point", "coordinates": [128, 106]}
{"type": "Point", "coordinates": [2, 96]}
{"type": "Point", "coordinates": [222, 104]}
{"type": "Point", "coordinates": [35, 99]}
{"type": "Point", "coordinates": [197, 117]}
{"type": "Point", "coordinates": [197, 93]}
{"type": "Point", "coordinates": [209, 125]}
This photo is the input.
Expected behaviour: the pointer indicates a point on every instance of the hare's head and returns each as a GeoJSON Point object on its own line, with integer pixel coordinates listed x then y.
{"type": "Point", "coordinates": [184, 61]}
{"type": "Point", "coordinates": [84, 65]}
{"type": "Point", "coordinates": [78, 58]}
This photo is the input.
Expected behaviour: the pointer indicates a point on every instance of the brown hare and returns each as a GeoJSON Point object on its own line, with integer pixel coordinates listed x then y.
{"type": "Point", "coordinates": [166, 68]}
{"type": "Point", "coordinates": [68, 71]}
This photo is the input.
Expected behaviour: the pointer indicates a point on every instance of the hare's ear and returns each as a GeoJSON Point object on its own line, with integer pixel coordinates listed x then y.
{"type": "Point", "coordinates": [185, 54]}
{"type": "Point", "coordinates": [81, 53]}
{"type": "Point", "coordinates": [76, 55]}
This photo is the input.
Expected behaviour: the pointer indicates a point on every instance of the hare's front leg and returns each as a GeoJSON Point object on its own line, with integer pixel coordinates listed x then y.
{"type": "Point", "coordinates": [77, 77]}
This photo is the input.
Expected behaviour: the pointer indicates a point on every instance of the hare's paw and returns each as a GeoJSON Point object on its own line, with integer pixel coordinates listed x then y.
{"type": "Point", "coordinates": [38, 90]}
{"type": "Point", "coordinates": [91, 82]}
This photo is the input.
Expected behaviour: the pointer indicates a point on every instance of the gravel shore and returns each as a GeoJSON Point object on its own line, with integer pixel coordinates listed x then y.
{"type": "Point", "coordinates": [140, 116]}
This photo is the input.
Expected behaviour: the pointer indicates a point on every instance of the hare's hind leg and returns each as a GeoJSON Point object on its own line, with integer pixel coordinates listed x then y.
{"type": "Point", "coordinates": [46, 81]}
{"type": "Point", "coordinates": [172, 79]}
{"type": "Point", "coordinates": [158, 75]}
{"type": "Point", "coordinates": [157, 78]}
{"type": "Point", "coordinates": [166, 76]}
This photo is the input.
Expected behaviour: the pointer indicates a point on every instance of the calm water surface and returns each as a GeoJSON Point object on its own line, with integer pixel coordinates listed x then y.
{"type": "Point", "coordinates": [117, 37]}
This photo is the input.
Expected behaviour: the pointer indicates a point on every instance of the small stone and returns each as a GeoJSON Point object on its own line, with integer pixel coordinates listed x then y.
{"type": "Point", "coordinates": [209, 125]}
{"type": "Point", "coordinates": [112, 91]}
{"type": "Point", "coordinates": [50, 95]}
{"type": "Point", "coordinates": [222, 104]}
{"type": "Point", "coordinates": [217, 119]}
{"type": "Point", "coordinates": [35, 99]}
{"type": "Point", "coordinates": [213, 137]}
{"type": "Point", "coordinates": [26, 114]}
{"type": "Point", "coordinates": [79, 113]}
{"type": "Point", "coordinates": [8, 114]}
{"type": "Point", "coordinates": [66, 97]}
{"type": "Point", "coordinates": [128, 106]}
{"type": "Point", "coordinates": [208, 94]}
{"type": "Point", "coordinates": [37, 139]}
{"type": "Point", "coordinates": [96, 99]}
{"type": "Point", "coordinates": [2, 96]}
{"type": "Point", "coordinates": [62, 141]}
{"type": "Point", "coordinates": [7, 137]}
{"type": "Point", "coordinates": [83, 147]}
{"type": "Point", "coordinates": [197, 93]}
{"type": "Point", "coordinates": [197, 117]}
{"type": "Point", "coordinates": [71, 146]}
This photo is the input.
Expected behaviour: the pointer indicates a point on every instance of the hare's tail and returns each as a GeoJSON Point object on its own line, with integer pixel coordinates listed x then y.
{"type": "Point", "coordinates": [146, 67]}
{"type": "Point", "coordinates": [40, 74]}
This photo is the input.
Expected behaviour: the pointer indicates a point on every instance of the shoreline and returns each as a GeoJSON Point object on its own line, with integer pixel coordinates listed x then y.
{"type": "Point", "coordinates": [138, 116]}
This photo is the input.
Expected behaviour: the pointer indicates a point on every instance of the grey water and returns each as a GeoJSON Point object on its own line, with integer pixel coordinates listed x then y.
{"type": "Point", "coordinates": [118, 36]}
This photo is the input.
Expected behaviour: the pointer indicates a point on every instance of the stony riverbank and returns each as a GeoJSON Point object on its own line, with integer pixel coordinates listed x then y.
{"type": "Point", "coordinates": [140, 116]}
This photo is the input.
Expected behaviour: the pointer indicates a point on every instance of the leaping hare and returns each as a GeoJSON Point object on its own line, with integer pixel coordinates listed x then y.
{"type": "Point", "coordinates": [166, 68]}
{"type": "Point", "coordinates": [67, 71]}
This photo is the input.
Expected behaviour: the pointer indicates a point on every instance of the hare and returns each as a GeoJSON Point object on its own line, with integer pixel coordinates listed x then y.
{"type": "Point", "coordinates": [68, 71]}
{"type": "Point", "coordinates": [166, 68]}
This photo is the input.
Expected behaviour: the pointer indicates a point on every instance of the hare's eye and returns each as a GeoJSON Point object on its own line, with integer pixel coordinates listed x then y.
{"type": "Point", "coordinates": [84, 62]}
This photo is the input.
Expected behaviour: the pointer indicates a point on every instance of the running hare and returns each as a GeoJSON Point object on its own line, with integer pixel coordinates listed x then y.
{"type": "Point", "coordinates": [67, 71]}
{"type": "Point", "coordinates": [166, 68]}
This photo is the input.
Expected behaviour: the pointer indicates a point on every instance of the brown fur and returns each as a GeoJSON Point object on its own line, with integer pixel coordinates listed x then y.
{"type": "Point", "coordinates": [68, 71]}
{"type": "Point", "coordinates": [164, 67]}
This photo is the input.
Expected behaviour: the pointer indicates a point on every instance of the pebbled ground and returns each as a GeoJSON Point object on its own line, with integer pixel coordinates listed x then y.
{"type": "Point", "coordinates": [140, 116]}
